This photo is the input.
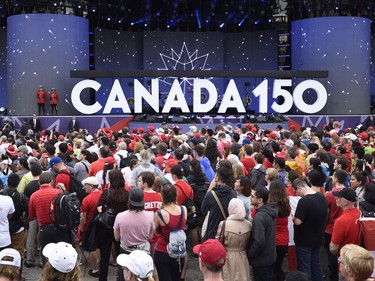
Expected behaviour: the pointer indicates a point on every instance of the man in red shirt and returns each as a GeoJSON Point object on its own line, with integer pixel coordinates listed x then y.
{"type": "Point", "coordinates": [40, 207]}
{"type": "Point", "coordinates": [346, 229]}
{"type": "Point", "coordinates": [334, 212]}
{"type": "Point", "coordinates": [98, 165]}
{"type": "Point", "coordinates": [184, 190]}
{"type": "Point", "coordinates": [62, 177]}
{"type": "Point", "coordinates": [88, 208]}
{"type": "Point", "coordinates": [152, 200]}
{"type": "Point", "coordinates": [41, 96]}
{"type": "Point", "coordinates": [248, 161]}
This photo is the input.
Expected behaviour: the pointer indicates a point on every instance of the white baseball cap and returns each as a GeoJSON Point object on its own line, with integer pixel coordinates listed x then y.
{"type": "Point", "coordinates": [62, 256]}
{"type": "Point", "coordinates": [10, 256]}
{"type": "Point", "coordinates": [138, 262]}
{"type": "Point", "coordinates": [90, 180]}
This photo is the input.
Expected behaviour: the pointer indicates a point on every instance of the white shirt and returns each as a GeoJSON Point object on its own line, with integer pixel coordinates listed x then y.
{"type": "Point", "coordinates": [6, 208]}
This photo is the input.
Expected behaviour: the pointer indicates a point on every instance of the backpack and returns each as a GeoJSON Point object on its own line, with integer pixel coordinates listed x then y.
{"type": "Point", "coordinates": [176, 246]}
{"type": "Point", "coordinates": [257, 178]}
{"type": "Point", "coordinates": [123, 161]}
{"type": "Point", "coordinates": [65, 210]}
{"type": "Point", "coordinates": [75, 186]}
{"type": "Point", "coordinates": [192, 220]}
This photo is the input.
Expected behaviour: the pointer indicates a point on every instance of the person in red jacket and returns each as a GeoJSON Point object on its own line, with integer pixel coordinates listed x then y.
{"type": "Point", "coordinates": [53, 100]}
{"type": "Point", "coordinates": [41, 96]}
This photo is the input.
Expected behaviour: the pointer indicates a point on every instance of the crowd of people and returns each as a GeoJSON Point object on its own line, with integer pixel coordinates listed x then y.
{"type": "Point", "coordinates": [240, 199]}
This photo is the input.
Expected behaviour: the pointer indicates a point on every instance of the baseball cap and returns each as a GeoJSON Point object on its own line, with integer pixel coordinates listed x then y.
{"type": "Point", "coordinates": [11, 150]}
{"type": "Point", "coordinates": [155, 139]}
{"type": "Point", "coordinates": [347, 193]}
{"type": "Point", "coordinates": [54, 161]}
{"type": "Point", "coordinates": [136, 197]}
{"type": "Point", "coordinates": [107, 132]}
{"type": "Point", "coordinates": [272, 135]}
{"type": "Point", "coordinates": [62, 256]}
{"type": "Point", "coordinates": [89, 138]}
{"type": "Point", "coordinates": [23, 149]}
{"type": "Point", "coordinates": [211, 252]}
{"type": "Point", "coordinates": [363, 136]}
{"type": "Point", "coordinates": [151, 128]}
{"type": "Point", "coordinates": [11, 257]}
{"type": "Point", "coordinates": [112, 146]}
{"type": "Point", "coordinates": [138, 262]}
{"type": "Point", "coordinates": [90, 180]}
{"type": "Point", "coordinates": [289, 143]}
{"type": "Point", "coordinates": [170, 163]}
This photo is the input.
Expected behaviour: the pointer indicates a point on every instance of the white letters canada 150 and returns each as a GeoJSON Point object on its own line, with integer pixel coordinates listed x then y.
{"type": "Point", "coordinates": [176, 97]}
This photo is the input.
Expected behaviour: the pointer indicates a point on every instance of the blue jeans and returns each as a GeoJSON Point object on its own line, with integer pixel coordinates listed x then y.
{"type": "Point", "coordinates": [308, 261]}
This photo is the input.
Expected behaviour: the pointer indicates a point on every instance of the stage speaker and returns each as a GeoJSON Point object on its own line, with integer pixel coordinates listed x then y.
{"type": "Point", "coordinates": [177, 119]}
{"type": "Point", "coordinates": [138, 118]}
{"type": "Point", "coordinates": [151, 119]}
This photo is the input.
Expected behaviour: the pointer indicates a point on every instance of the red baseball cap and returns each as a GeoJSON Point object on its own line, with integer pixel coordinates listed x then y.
{"type": "Point", "coordinates": [107, 132]}
{"type": "Point", "coordinates": [170, 163]}
{"type": "Point", "coordinates": [141, 130]}
{"type": "Point", "coordinates": [211, 252]}
{"type": "Point", "coordinates": [272, 135]}
{"type": "Point", "coordinates": [151, 128]}
{"type": "Point", "coordinates": [363, 136]}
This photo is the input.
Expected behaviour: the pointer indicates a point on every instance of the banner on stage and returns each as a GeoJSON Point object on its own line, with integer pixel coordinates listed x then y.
{"type": "Point", "coordinates": [231, 99]}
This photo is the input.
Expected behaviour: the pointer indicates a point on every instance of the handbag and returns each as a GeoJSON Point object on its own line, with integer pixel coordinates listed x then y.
{"type": "Point", "coordinates": [222, 233]}
{"type": "Point", "coordinates": [367, 230]}
{"type": "Point", "coordinates": [107, 217]}
{"type": "Point", "coordinates": [205, 222]}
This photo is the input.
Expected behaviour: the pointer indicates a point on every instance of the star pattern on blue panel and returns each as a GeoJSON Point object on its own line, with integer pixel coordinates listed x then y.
{"type": "Point", "coordinates": [183, 60]}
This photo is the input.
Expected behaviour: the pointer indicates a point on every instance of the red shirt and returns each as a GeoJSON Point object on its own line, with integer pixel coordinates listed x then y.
{"type": "Point", "coordinates": [41, 96]}
{"type": "Point", "coordinates": [152, 201]}
{"type": "Point", "coordinates": [89, 204]}
{"type": "Point", "coordinates": [248, 163]}
{"type": "Point", "coordinates": [40, 204]}
{"type": "Point", "coordinates": [184, 191]}
{"type": "Point", "coordinates": [96, 166]}
{"type": "Point", "coordinates": [53, 98]}
{"type": "Point", "coordinates": [334, 210]}
{"type": "Point", "coordinates": [282, 232]}
{"type": "Point", "coordinates": [63, 178]}
{"type": "Point", "coordinates": [346, 229]}
{"type": "Point", "coordinates": [161, 245]}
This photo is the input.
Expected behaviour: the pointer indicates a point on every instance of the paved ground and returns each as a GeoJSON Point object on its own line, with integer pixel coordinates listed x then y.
{"type": "Point", "coordinates": [34, 273]}
{"type": "Point", "coordinates": [193, 274]}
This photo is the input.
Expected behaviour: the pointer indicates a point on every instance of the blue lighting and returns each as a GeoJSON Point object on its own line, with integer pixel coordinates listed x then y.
{"type": "Point", "coordinates": [243, 20]}
{"type": "Point", "coordinates": [139, 21]}
{"type": "Point", "coordinates": [222, 24]}
{"type": "Point", "coordinates": [198, 18]}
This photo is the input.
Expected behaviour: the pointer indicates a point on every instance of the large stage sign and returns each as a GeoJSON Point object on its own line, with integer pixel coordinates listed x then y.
{"type": "Point", "coordinates": [176, 98]}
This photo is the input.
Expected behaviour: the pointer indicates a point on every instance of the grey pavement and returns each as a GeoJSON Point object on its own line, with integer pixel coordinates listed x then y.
{"type": "Point", "coordinates": [34, 273]}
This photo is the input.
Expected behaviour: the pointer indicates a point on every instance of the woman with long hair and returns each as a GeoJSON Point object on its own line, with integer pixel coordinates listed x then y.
{"type": "Point", "coordinates": [103, 175]}
{"type": "Point", "coordinates": [243, 188]}
{"type": "Point", "coordinates": [167, 218]}
{"type": "Point", "coordinates": [277, 194]}
{"type": "Point", "coordinates": [316, 165]}
{"type": "Point", "coordinates": [237, 166]}
{"type": "Point", "coordinates": [357, 183]}
{"type": "Point", "coordinates": [116, 198]}
{"type": "Point", "coordinates": [62, 263]}
{"type": "Point", "coordinates": [268, 158]}
{"type": "Point", "coordinates": [234, 234]}
{"type": "Point", "coordinates": [212, 153]}
{"type": "Point", "coordinates": [199, 183]}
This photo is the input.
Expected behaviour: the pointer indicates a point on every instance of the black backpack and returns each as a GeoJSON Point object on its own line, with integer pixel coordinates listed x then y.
{"type": "Point", "coordinates": [65, 210]}
{"type": "Point", "coordinates": [123, 161]}
{"type": "Point", "coordinates": [193, 217]}
{"type": "Point", "coordinates": [76, 186]}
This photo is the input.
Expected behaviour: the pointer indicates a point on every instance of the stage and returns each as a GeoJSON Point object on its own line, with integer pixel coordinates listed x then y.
{"type": "Point", "coordinates": [116, 122]}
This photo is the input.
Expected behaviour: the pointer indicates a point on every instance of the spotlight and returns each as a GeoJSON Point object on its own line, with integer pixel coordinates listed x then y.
{"type": "Point", "coordinates": [3, 111]}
